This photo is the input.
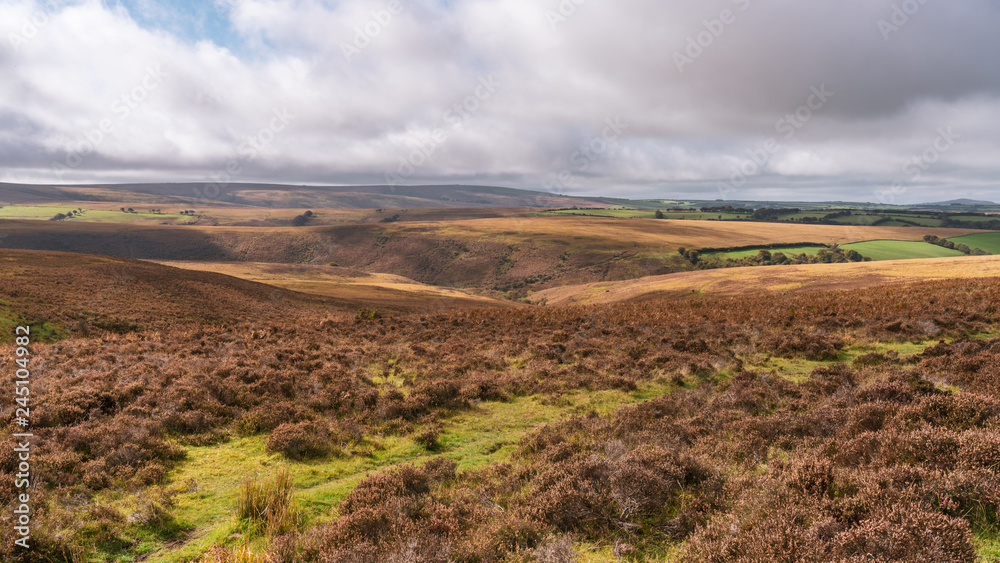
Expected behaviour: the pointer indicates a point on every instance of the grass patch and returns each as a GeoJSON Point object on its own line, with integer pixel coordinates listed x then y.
{"type": "Point", "coordinates": [46, 212]}
{"type": "Point", "coordinates": [787, 250]}
{"type": "Point", "coordinates": [40, 332]}
{"type": "Point", "coordinates": [900, 250]}
{"type": "Point", "coordinates": [990, 242]}
{"type": "Point", "coordinates": [215, 481]}
{"type": "Point", "coordinates": [267, 506]}
{"type": "Point", "coordinates": [798, 369]}
{"type": "Point", "coordinates": [987, 546]}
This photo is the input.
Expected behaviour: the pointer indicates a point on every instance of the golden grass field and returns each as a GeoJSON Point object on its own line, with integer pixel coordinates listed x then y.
{"type": "Point", "coordinates": [665, 235]}
{"type": "Point", "coordinates": [344, 283]}
{"type": "Point", "coordinates": [756, 280]}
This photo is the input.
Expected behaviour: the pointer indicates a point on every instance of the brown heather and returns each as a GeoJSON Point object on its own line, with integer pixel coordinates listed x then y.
{"type": "Point", "coordinates": [890, 458]}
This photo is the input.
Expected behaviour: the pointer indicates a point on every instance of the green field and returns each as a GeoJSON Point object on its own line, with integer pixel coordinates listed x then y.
{"type": "Point", "coordinates": [46, 212]}
{"type": "Point", "coordinates": [787, 250]}
{"type": "Point", "coordinates": [899, 250]}
{"type": "Point", "coordinates": [974, 218]}
{"type": "Point", "coordinates": [990, 242]}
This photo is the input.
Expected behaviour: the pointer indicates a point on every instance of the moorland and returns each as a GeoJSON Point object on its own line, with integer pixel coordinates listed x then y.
{"type": "Point", "coordinates": [288, 374]}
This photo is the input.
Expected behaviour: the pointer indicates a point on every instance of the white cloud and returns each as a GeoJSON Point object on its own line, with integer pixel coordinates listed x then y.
{"type": "Point", "coordinates": [356, 118]}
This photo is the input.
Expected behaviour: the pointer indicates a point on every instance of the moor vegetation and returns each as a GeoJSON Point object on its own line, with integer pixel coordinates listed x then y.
{"type": "Point", "coordinates": [880, 456]}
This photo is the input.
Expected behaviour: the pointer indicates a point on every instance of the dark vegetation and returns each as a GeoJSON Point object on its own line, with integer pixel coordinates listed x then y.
{"type": "Point", "coordinates": [886, 458]}
{"type": "Point", "coordinates": [961, 247]}
{"type": "Point", "coordinates": [765, 257]}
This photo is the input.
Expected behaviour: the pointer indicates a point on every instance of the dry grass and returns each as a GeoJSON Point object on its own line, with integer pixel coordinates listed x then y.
{"type": "Point", "coordinates": [377, 289]}
{"type": "Point", "coordinates": [268, 506]}
{"type": "Point", "coordinates": [511, 256]}
{"type": "Point", "coordinates": [669, 235]}
{"type": "Point", "coordinates": [777, 279]}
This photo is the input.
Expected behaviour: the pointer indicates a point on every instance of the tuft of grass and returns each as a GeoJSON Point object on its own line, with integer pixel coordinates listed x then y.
{"type": "Point", "coordinates": [269, 506]}
{"type": "Point", "coordinates": [241, 554]}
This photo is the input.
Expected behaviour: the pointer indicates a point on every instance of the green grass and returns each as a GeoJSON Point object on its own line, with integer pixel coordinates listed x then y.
{"type": "Point", "coordinates": [987, 546]}
{"type": "Point", "coordinates": [990, 242]}
{"type": "Point", "coordinates": [46, 212]}
{"type": "Point", "coordinates": [37, 212]}
{"type": "Point", "coordinates": [899, 250]}
{"type": "Point", "coordinates": [798, 369]}
{"type": "Point", "coordinates": [787, 250]}
{"type": "Point", "coordinates": [922, 220]}
{"type": "Point", "coordinates": [209, 480]}
{"type": "Point", "coordinates": [975, 218]}
{"type": "Point", "coordinates": [40, 332]}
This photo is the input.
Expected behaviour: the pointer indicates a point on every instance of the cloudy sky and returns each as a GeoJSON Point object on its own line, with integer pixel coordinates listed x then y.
{"type": "Point", "coordinates": [866, 100]}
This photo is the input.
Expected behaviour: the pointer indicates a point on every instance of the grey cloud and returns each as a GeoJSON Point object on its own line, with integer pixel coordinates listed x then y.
{"type": "Point", "coordinates": [687, 130]}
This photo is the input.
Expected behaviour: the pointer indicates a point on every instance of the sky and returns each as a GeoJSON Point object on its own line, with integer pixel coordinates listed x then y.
{"type": "Point", "coordinates": [886, 101]}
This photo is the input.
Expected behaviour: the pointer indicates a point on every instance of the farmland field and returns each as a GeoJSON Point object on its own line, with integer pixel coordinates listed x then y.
{"type": "Point", "coordinates": [900, 250]}
{"type": "Point", "coordinates": [990, 242]}
{"type": "Point", "coordinates": [788, 250]}
{"type": "Point", "coordinates": [88, 214]}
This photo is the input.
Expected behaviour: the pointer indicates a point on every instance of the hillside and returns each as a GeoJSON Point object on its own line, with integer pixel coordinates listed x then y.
{"type": "Point", "coordinates": [377, 290]}
{"type": "Point", "coordinates": [797, 426]}
{"type": "Point", "coordinates": [775, 279]}
{"type": "Point", "coordinates": [287, 196]}
{"type": "Point", "coordinates": [74, 293]}
{"type": "Point", "coordinates": [511, 255]}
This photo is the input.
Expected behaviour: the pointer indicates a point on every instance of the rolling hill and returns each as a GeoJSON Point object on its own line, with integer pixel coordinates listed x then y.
{"type": "Point", "coordinates": [775, 279]}
{"type": "Point", "coordinates": [74, 293]}
{"type": "Point", "coordinates": [512, 255]}
{"type": "Point", "coordinates": [287, 196]}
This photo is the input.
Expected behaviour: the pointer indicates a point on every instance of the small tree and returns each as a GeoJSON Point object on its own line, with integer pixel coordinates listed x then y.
{"type": "Point", "coordinates": [854, 255]}
{"type": "Point", "coordinates": [658, 214]}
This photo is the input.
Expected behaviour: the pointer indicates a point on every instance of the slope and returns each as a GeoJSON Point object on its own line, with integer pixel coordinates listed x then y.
{"type": "Point", "coordinates": [776, 279]}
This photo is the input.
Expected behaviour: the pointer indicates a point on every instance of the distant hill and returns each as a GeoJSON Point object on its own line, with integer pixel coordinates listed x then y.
{"type": "Point", "coordinates": [288, 196]}
{"type": "Point", "coordinates": [963, 201]}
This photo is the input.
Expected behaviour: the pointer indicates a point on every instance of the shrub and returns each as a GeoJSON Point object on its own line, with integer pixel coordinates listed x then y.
{"type": "Point", "coordinates": [301, 440]}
